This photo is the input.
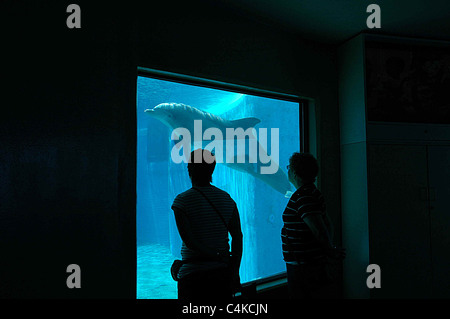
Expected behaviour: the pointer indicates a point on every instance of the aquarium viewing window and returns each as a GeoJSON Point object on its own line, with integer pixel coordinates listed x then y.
{"type": "Point", "coordinates": [166, 102]}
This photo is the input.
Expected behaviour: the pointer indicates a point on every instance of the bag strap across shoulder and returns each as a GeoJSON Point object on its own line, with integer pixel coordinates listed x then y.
{"type": "Point", "coordinates": [217, 211]}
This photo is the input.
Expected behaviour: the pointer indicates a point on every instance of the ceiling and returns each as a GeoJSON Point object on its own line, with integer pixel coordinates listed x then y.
{"type": "Point", "coordinates": [335, 21]}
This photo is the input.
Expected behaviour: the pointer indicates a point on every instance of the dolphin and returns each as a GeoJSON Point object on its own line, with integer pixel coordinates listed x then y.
{"type": "Point", "coordinates": [176, 115]}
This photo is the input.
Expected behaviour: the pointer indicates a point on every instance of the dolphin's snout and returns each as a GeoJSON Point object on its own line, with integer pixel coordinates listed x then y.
{"type": "Point", "coordinates": [149, 110]}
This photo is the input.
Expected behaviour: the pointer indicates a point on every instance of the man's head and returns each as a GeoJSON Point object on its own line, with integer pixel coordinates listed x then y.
{"type": "Point", "coordinates": [201, 166]}
{"type": "Point", "coordinates": [303, 168]}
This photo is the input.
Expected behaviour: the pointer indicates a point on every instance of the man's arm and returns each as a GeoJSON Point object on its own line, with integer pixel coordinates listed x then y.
{"type": "Point", "coordinates": [236, 248]}
{"type": "Point", "coordinates": [236, 240]}
{"type": "Point", "coordinates": [321, 231]}
{"type": "Point", "coordinates": [316, 224]}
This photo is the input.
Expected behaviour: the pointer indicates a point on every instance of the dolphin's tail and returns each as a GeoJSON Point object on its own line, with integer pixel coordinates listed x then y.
{"type": "Point", "coordinates": [278, 181]}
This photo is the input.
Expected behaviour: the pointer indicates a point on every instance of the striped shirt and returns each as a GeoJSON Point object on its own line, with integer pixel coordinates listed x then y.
{"type": "Point", "coordinates": [206, 225]}
{"type": "Point", "coordinates": [298, 241]}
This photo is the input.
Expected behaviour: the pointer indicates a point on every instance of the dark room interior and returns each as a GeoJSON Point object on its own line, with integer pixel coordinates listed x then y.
{"type": "Point", "coordinates": [68, 131]}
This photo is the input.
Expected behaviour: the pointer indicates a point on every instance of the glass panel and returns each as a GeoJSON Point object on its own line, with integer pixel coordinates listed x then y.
{"type": "Point", "coordinates": [261, 198]}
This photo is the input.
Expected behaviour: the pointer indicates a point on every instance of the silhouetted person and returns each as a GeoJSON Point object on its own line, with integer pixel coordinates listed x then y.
{"type": "Point", "coordinates": [209, 270]}
{"type": "Point", "coordinates": [307, 231]}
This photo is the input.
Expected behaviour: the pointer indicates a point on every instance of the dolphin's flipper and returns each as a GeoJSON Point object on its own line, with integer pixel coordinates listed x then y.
{"type": "Point", "coordinates": [245, 123]}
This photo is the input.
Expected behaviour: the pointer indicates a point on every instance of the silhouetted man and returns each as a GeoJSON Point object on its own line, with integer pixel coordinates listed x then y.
{"type": "Point", "coordinates": [204, 215]}
{"type": "Point", "coordinates": [307, 232]}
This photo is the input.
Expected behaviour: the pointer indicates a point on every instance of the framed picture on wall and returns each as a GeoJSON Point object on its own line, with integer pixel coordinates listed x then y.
{"type": "Point", "coordinates": [407, 83]}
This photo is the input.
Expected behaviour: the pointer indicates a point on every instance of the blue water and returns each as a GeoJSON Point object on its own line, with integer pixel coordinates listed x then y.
{"type": "Point", "coordinates": [159, 180]}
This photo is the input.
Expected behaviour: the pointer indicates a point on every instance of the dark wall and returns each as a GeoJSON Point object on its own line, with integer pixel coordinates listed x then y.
{"type": "Point", "coordinates": [67, 153]}
{"type": "Point", "coordinates": [68, 128]}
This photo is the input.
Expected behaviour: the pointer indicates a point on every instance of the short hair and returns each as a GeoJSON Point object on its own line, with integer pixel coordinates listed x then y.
{"type": "Point", "coordinates": [304, 166]}
{"type": "Point", "coordinates": [201, 165]}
